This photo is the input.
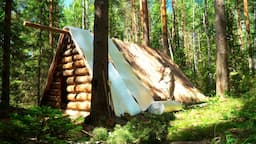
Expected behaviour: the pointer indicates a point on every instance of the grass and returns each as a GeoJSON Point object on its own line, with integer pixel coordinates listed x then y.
{"type": "Point", "coordinates": [206, 122]}
{"type": "Point", "coordinates": [229, 120]}
{"type": "Point", "coordinates": [219, 121]}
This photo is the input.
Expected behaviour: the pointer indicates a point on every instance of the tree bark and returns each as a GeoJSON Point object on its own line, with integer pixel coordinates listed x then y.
{"type": "Point", "coordinates": [164, 27]}
{"type": "Point", "coordinates": [254, 50]}
{"type": "Point", "coordinates": [51, 25]}
{"type": "Point", "coordinates": [194, 44]}
{"type": "Point", "coordinates": [134, 22]}
{"type": "Point", "coordinates": [175, 39]}
{"type": "Point", "coordinates": [249, 47]}
{"type": "Point", "coordinates": [5, 98]}
{"type": "Point", "coordinates": [39, 60]}
{"type": "Point", "coordinates": [239, 25]}
{"type": "Point", "coordinates": [100, 104]}
{"type": "Point", "coordinates": [206, 23]}
{"type": "Point", "coordinates": [222, 78]}
{"type": "Point", "coordinates": [144, 21]}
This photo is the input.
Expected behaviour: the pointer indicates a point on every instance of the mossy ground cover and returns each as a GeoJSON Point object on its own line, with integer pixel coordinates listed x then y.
{"type": "Point", "coordinates": [230, 120]}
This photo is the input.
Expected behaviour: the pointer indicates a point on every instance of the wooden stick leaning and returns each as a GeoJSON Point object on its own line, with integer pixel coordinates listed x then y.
{"type": "Point", "coordinates": [43, 27]}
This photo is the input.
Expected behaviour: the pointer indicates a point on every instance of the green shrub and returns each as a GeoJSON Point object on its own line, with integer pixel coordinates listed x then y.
{"type": "Point", "coordinates": [38, 125]}
{"type": "Point", "coordinates": [100, 134]}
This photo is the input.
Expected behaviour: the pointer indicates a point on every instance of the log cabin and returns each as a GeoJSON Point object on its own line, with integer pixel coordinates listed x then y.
{"type": "Point", "coordinates": [138, 76]}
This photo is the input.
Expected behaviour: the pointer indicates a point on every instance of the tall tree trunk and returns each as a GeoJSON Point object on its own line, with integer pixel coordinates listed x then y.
{"type": "Point", "coordinates": [173, 43]}
{"type": "Point", "coordinates": [206, 23]}
{"type": "Point", "coordinates": [100, 107]}
{"type": "Point", "coordinates": [5, 98]}
{"type": "Point", "coordinates": [230, 34]}
{"type": "Point", "coordinates": [254, 50]}
{"type": "Point", "coordinates": [164, 27]}
{"type": "Point", "coordinates": [194, 42]}
{"type": "Point", "coordinates": [83, 14]}
{"type": "Point", "coordinates": [39, 60]}
{"type": "Point", "coordinates": [51, 25]}
{"type": "Point", "coordinates": [222, 78]}
{"type": "Point", "coordinates": [239, 25]}
{"type": "Point", "coordinates": [144, 21]}
{"type": "Point", "coordinates": [87, 24]}
{"type": "Point", "coordinates": [183, 25]}
{"type": "Point", "coordinates": [85, 21]}
{"type": "Point", "coordinates": [249, 47]}
{"type": "Point", "coordinates": [134, 22]}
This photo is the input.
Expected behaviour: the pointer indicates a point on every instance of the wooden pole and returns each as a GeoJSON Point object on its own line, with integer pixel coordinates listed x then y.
{"type": "Point", "coordinates": [43, 27]}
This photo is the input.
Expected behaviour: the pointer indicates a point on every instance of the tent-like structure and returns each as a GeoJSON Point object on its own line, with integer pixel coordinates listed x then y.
{"type": "Point", "coordinates": [138, 75]}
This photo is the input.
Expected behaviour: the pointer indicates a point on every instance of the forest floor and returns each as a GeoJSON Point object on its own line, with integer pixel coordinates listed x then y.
{"type": "Point", "coordinates": [230, 120]}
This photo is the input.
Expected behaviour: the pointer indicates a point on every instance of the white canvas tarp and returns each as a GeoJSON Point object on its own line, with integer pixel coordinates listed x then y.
{"type": "Point", "coordinates": [128, 93]}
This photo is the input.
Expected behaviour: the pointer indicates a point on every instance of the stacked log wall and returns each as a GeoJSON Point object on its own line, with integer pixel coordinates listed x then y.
{"type": "Point", "coordinates": [70, 88]}
{"type": "Point", "coordinates": [78, 81]}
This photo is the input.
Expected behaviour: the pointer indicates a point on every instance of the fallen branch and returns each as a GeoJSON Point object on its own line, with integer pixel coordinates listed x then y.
{"type": "Point", "coordinates": [43, 27]}
{"type": "Point", "coordinates": [89, 134]}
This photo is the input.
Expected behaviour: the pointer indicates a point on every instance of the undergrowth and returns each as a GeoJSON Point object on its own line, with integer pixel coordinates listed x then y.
{"type": "Point", "coordinates": [219, 121]}
{"type": "Point", "coordinates": [39, 125]}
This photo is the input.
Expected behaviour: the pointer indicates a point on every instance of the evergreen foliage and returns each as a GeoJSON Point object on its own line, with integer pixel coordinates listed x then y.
{"type": "Point", "coordinates": [38, 125]}
{"type": "Point", "coordinates": [44, 125]}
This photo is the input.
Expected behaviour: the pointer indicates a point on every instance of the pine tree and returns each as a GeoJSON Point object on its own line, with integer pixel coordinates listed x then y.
{"type": "Point", "coordinates": [5, 98]}
{"type": "Point", "coordinates": [222, 78]}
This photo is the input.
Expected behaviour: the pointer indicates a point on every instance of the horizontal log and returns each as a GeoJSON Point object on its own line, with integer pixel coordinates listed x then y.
{"type": "Point", "coordinates": [84, 106]}
{"type": "Point", "coordinates": [79, 63]}
{"type": "Point", "coordinates": [67, 59]}
{"type": "Point", "coordinates": [79, 96]}
{"type": "Point", "coordinates": [57, 74]}
{"type": "Point", "coordinates": [78, 79]}
{"type": "Point", "coordinates": [77, 72]}
{"type": "Point", "coordinates": [77, 57]}
{"type": "Point", "coordinates": [71, 45]}
{"type": "Point", "coordinates": [68, 72]}
{"type": "Point", "coordinates": [71, 58]}
{"type": "Point", "coordinates": [83, 87]}
{"type": "Point", "coordinates": [77, 113]}
{"type": "Point", "coordinates": [67, 53]}
{"type": "Point", "coordinates": [79, 88]}
{"type": "Point", "coordinates": [74, 51]}
{"type": "Point", "coordinates": [67, 66]}
{"type": "Point", "coordinates": [54, 92]}
{"type": "Point", "coordinates": [54, 104]}
{"type": "Point", "coordinates": [44, 27]}
{"type": "Point", "coordinates": [81, 71]}
{"type": "Point", "coordinates": [70, 52]}
{"type": "Point", "coordinates": [53, 98]}
{"type": "Point", "coordinates": [56, 85]}
{"type": "Point", "coordinates": [75, 64]}
{"type": "Point", "coordinates": [56, 79]}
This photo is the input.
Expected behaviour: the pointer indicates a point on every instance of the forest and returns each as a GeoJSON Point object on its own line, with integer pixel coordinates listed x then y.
{"type": "Point", "coordinates": [212, 42]}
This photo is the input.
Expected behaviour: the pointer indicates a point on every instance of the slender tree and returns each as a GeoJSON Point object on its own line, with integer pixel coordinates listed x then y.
{"type": "Point", "coordinates": [194, 40]}
{"type": "Point", "coordinates": [39, 60]}
{"type": "Point", "coordinates": [100, 103]}
{"type": "Point", "coordinates": [173, 27]}
{"type": "Point", "coordinates": [51, 24]}
{"type": "Point", "coordinates": [239, 25]}
{"type": "Point", "coordinates": [254, 9]}
{"type": "Point", "coordinates": [5, 99]}
{"type": "Point", "coordinates": [206, 23]}
{"type": "Point", "coordinates": [222, 78]}
{"type": "Point", "coordinates": [249, 47]}
{"type": "Point", "coordinates": [134, 23]}
{"type": "Point", "coordinates": [144, 21]}
{"type": "Point", "coordinates": [164, 27]}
